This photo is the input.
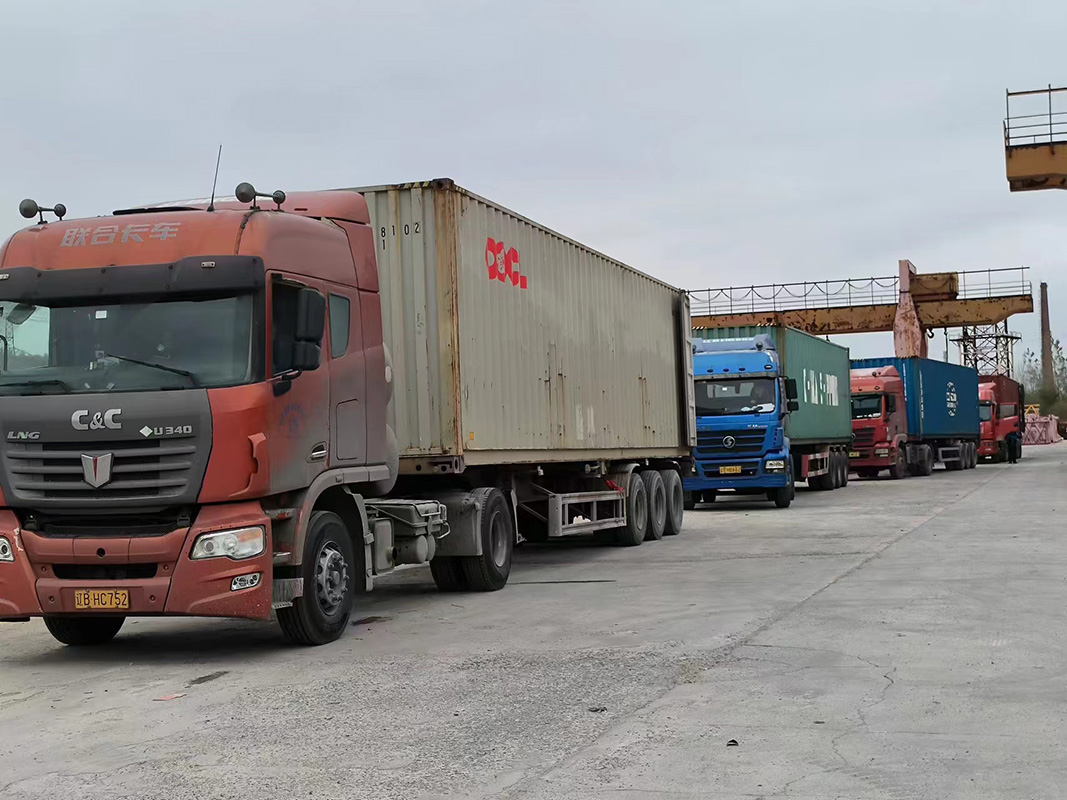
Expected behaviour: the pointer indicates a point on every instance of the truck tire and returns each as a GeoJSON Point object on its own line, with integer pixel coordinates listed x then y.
{"type": "Point", "coordinates": [974, 454]}
{"type": "Point", "coordinates": [900, 469]}
{"type": "Point", "coordinates": [448, 574]}
{"type": "Point", "coordinates": [672, 489]}
{"type": "Point", "coordinates": [489, 572]}
{"type": "Point", "coordinates": [636, 512]}
{"type": "Point", "coordinates": [321, 615]}
{"type": "Point", "coordinates": [867, 472]}
{"type": "Point", "coordinates": [689, 501]}
{"type": "Point", "coordinates": [846, 468]}
{"type": "Point", "coordinates": [783, 496]}
{"type": "Point", "coordinates": [657, 504]}
{"type": "Point", "coordinates": [83, 631]}
{"type": "Point", "coordinates": [926, 466]}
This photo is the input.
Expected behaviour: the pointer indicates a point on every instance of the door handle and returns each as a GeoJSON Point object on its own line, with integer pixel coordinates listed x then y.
{"type": "Point", "coordinates": [318, 452]}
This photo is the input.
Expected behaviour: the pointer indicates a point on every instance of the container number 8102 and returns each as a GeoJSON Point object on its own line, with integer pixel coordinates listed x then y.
{"type": "Point", "coordinates": [408, 229]}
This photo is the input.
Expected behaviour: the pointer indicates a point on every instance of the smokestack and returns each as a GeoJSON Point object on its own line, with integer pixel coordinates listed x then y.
{"type": "Point", "coordinates": [1048, 378]}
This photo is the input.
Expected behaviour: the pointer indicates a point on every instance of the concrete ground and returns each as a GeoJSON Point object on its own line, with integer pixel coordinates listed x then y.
{"type": "Point", "coordinates": [888, 640]}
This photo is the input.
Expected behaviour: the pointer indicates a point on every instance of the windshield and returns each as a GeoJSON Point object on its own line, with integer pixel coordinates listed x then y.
{"type": "Point", "coordinates": [985, 412]}
{"type": "Point", "coordinates": [720, 398]}
{"type": "Point", "coordinates": [866, 406]}
{"type": "Point", "coordinates": [122, 347]}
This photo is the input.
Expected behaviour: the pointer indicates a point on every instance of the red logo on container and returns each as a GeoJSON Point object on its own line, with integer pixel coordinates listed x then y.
{"type": "Point", "coordinates": [503, 264]}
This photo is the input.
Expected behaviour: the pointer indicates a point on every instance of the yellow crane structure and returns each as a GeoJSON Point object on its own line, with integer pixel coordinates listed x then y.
{"type": "Point", "coordinates": [909, 304]}
{"type": "Point", "coordinates": [1035, 139]}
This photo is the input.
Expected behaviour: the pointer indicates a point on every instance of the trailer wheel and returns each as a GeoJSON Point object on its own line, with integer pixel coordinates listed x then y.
{"type": "Point", "coordinates": [899, 470]}
{"type": "Point", "coordinates": [972, 460]}
{"type": "Point", "coordinates": [636, 512]}
{"type": "Point", "coordinates": [448, 574]}
{"type": "Point", "coordinates": [321, 615]}
{"type": "Point", "coordinates": [83, 631]}
{"type": "Point", "coordinates": [672, 489]}
{"type": "Point", "coordinates": [657, 504]}
{"type": "Point", "coordinates": [835, 470]}
{"type": "Point", "coordinates": [846, 468]}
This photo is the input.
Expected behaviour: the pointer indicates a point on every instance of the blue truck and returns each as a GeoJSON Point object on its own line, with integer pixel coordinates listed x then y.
{"type": "Point", "coordinates": [772, 410]}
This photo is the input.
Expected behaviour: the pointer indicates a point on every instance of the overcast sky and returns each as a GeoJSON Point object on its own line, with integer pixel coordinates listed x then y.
{"type": "Point", "coordinates": [708, 143]}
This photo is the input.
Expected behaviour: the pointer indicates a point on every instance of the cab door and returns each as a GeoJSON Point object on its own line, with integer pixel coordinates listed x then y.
{"type": "Point", "coordinates": [348, 376]}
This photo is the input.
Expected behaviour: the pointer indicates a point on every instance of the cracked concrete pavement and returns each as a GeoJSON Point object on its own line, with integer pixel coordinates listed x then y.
{"type": "Point", "coordinates": [889, 640]}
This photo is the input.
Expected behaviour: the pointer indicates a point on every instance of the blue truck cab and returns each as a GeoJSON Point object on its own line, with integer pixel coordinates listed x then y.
{"type": "Point", "coordinates": [742, 400]}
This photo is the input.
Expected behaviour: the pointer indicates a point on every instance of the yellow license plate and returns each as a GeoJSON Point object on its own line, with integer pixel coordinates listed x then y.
{"type": "Point", "coordinates": [735, 470]}
{"type": "Point", "coordinates": [853, 453]}
{"type": "Point", "coordinates": [102, 599]}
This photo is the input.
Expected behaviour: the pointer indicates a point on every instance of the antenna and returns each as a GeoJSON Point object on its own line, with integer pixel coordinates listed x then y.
{"type": "Point", "coordinates": [214, 183]}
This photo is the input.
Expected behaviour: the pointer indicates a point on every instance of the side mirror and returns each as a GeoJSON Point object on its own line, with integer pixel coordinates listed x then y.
{"type": "Point", "coordinates": [792, 405]}
{"type": "Point", "coordinates": [310, 318]}
{"type": "Point", "coordinates": [791, 390]}
{"type": "Point", "coordinates": [306, 356]}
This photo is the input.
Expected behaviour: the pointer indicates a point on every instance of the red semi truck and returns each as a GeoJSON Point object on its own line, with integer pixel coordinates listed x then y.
{"type": "Point", "coordinates": [1001, 410]}
{"type": "Point", "coordinates": [228, 408]}
{"type": "Point", "coordinates": [911, 413]}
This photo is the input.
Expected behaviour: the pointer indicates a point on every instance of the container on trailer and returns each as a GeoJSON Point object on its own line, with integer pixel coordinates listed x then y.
{"type": "Point", "coordinates": [941, 399]}
{"type": "Point", "coordinates": [511, 343]}
{"type": "Point", "coordinates": [821, 370]}
{"type": "Point", "coordinates": [1007, 390]}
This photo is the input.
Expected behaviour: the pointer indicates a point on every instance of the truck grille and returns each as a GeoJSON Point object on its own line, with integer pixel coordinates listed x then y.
{"type": "Point", "coordinates": [139, 469]}
{"type": "Point", "coordinates": [863, 436]}
{"type": "Point", "coordinates": [746, 442]}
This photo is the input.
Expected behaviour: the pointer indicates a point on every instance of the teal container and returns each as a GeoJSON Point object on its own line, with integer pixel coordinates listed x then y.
{"type": "Point", "coordinates": [821, 370]}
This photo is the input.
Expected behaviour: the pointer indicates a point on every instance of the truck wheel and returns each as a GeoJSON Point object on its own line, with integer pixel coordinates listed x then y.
{"type": "Point", "coordinates": [672, 489]}
{"type": "Point", "coordinates": [321, 615]}
{"type": "Point", "coordinates": [636, 513]}
{"type": "Point", "coordinates": [783, 496]}
{"type": "Point", "coordinates": [900, 469]}
{"type": "Point", "coordinates": [657, 504]}
{"type": "Point", "coordinates": [867, 472]}
{"type": "Point", "coordinates": [972, 451]}
{"type": "Point", "coordinates": [846, 467]}
{"type": "Point", "coordinates": [926, 466]}
{"type": "Point", "coordinates": [83, 631]}
{"type": "Point", "coordinates": [489, 572]}
{"type": "Point", "coordinates": [689, 501]}
{"type": "Point", "coordinates": [835, 470]}
{"type": "Point", "coordinates": [448, 574]}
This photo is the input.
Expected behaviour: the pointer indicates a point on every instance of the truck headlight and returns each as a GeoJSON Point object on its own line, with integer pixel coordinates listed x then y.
{"type": "Point", "coordinates": [7, 552]}
{"type": "Point", "coordinates": [774, 465]}
{"type": "Point", "coordinates": [882, 451]}
{"type": "Point", "coordinates": [236, 544]}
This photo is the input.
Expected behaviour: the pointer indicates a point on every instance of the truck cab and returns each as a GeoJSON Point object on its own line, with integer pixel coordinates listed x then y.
{"type": "Point", "coordinates": [879, 426]}
{"type": "Point", "coordinates": [1000, 413]}
{"type": "Point", "coordinates": [741, 402]}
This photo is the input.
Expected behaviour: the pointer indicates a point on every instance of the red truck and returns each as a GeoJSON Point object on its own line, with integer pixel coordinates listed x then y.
{"type": "Point", "coordinates": [262, 404]}
{"type": "Point", "coordinates": [909, 414]}
{"type": "Point", "coordinates": [1001, 411]}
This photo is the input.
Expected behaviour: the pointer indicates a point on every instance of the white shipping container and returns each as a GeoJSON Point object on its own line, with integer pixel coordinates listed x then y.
{"type": "Point", "coordinates": [511, 343]}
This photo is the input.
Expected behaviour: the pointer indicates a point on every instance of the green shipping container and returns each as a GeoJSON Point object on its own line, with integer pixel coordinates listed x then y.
{"type": "Point", "coordinates": [821, 370]}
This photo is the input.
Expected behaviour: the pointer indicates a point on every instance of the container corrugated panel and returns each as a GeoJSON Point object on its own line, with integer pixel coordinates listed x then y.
{"type": "Point", "coordinates": [941, 398]}
{"type": "Point", "coordinates": [820, 369]}
{"type": "Point", "coordinates": [512, 343]}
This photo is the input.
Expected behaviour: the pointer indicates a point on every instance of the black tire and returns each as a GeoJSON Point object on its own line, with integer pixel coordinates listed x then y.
{"type": "Point", "coordinates": [846, 468]}
{"type": "Point", "coordinates": [689, 501]}
{"type": "Point", "coordinates": [672, 488]}
{"type": "Point", "coordinates": [636, 512]}
{"type": "Point", "coordinates": [926, 467]}
{"type": "Point", "coordinates": [900, 469]}
{"type": "Point", "coordinates": [867, 472]}
{"type": "Point", "coordinates": [83, 631]}
{"type": "Point", "coordinates": [783, 496]}
{"type": "Point", "coordinates": [657, 505]}
{"type": "Point", "coordinates": [489, 572]}
{"type": "Point", "coordinates": [448, 574]}
{"type": "Point", "coordinates": [835, 470]}
{"type": "Point", "coordinates": [328, 568]}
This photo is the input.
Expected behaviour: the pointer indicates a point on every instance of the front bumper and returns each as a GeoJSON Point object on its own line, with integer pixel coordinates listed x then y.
{"type": "Point", "coordinates": [706, 475]}
{"type": "Point", "coordinates": [988, 447]}
{"type": "Point", "coordinates": [42, 578]}
{"type": "Point", "coordinates": [871, 457]}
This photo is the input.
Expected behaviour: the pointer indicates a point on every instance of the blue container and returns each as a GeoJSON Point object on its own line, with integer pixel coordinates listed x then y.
{"type": "Point", "coordinates": [941, 399]}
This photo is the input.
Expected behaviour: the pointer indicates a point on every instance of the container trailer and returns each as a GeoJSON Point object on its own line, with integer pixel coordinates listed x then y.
{"type": "Point", "coordinates": [228, 407]}
{"type": "Point", "coordinates": [910, 413]}
{"type": "Point", "coordinates": [771, 410]}
{"type": "Point", "coordinates": [1001, 404]}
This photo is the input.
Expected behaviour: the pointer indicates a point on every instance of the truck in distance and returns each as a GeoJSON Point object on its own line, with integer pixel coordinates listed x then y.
{"type": "Point", "coordinates": [910, 413]}
{"type": "Point", "coordinates": [1001, 401]}
{"type": "Point", "coordinates": [771, 411]}
{"type": "Point", "coordinates": [265, 402]}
